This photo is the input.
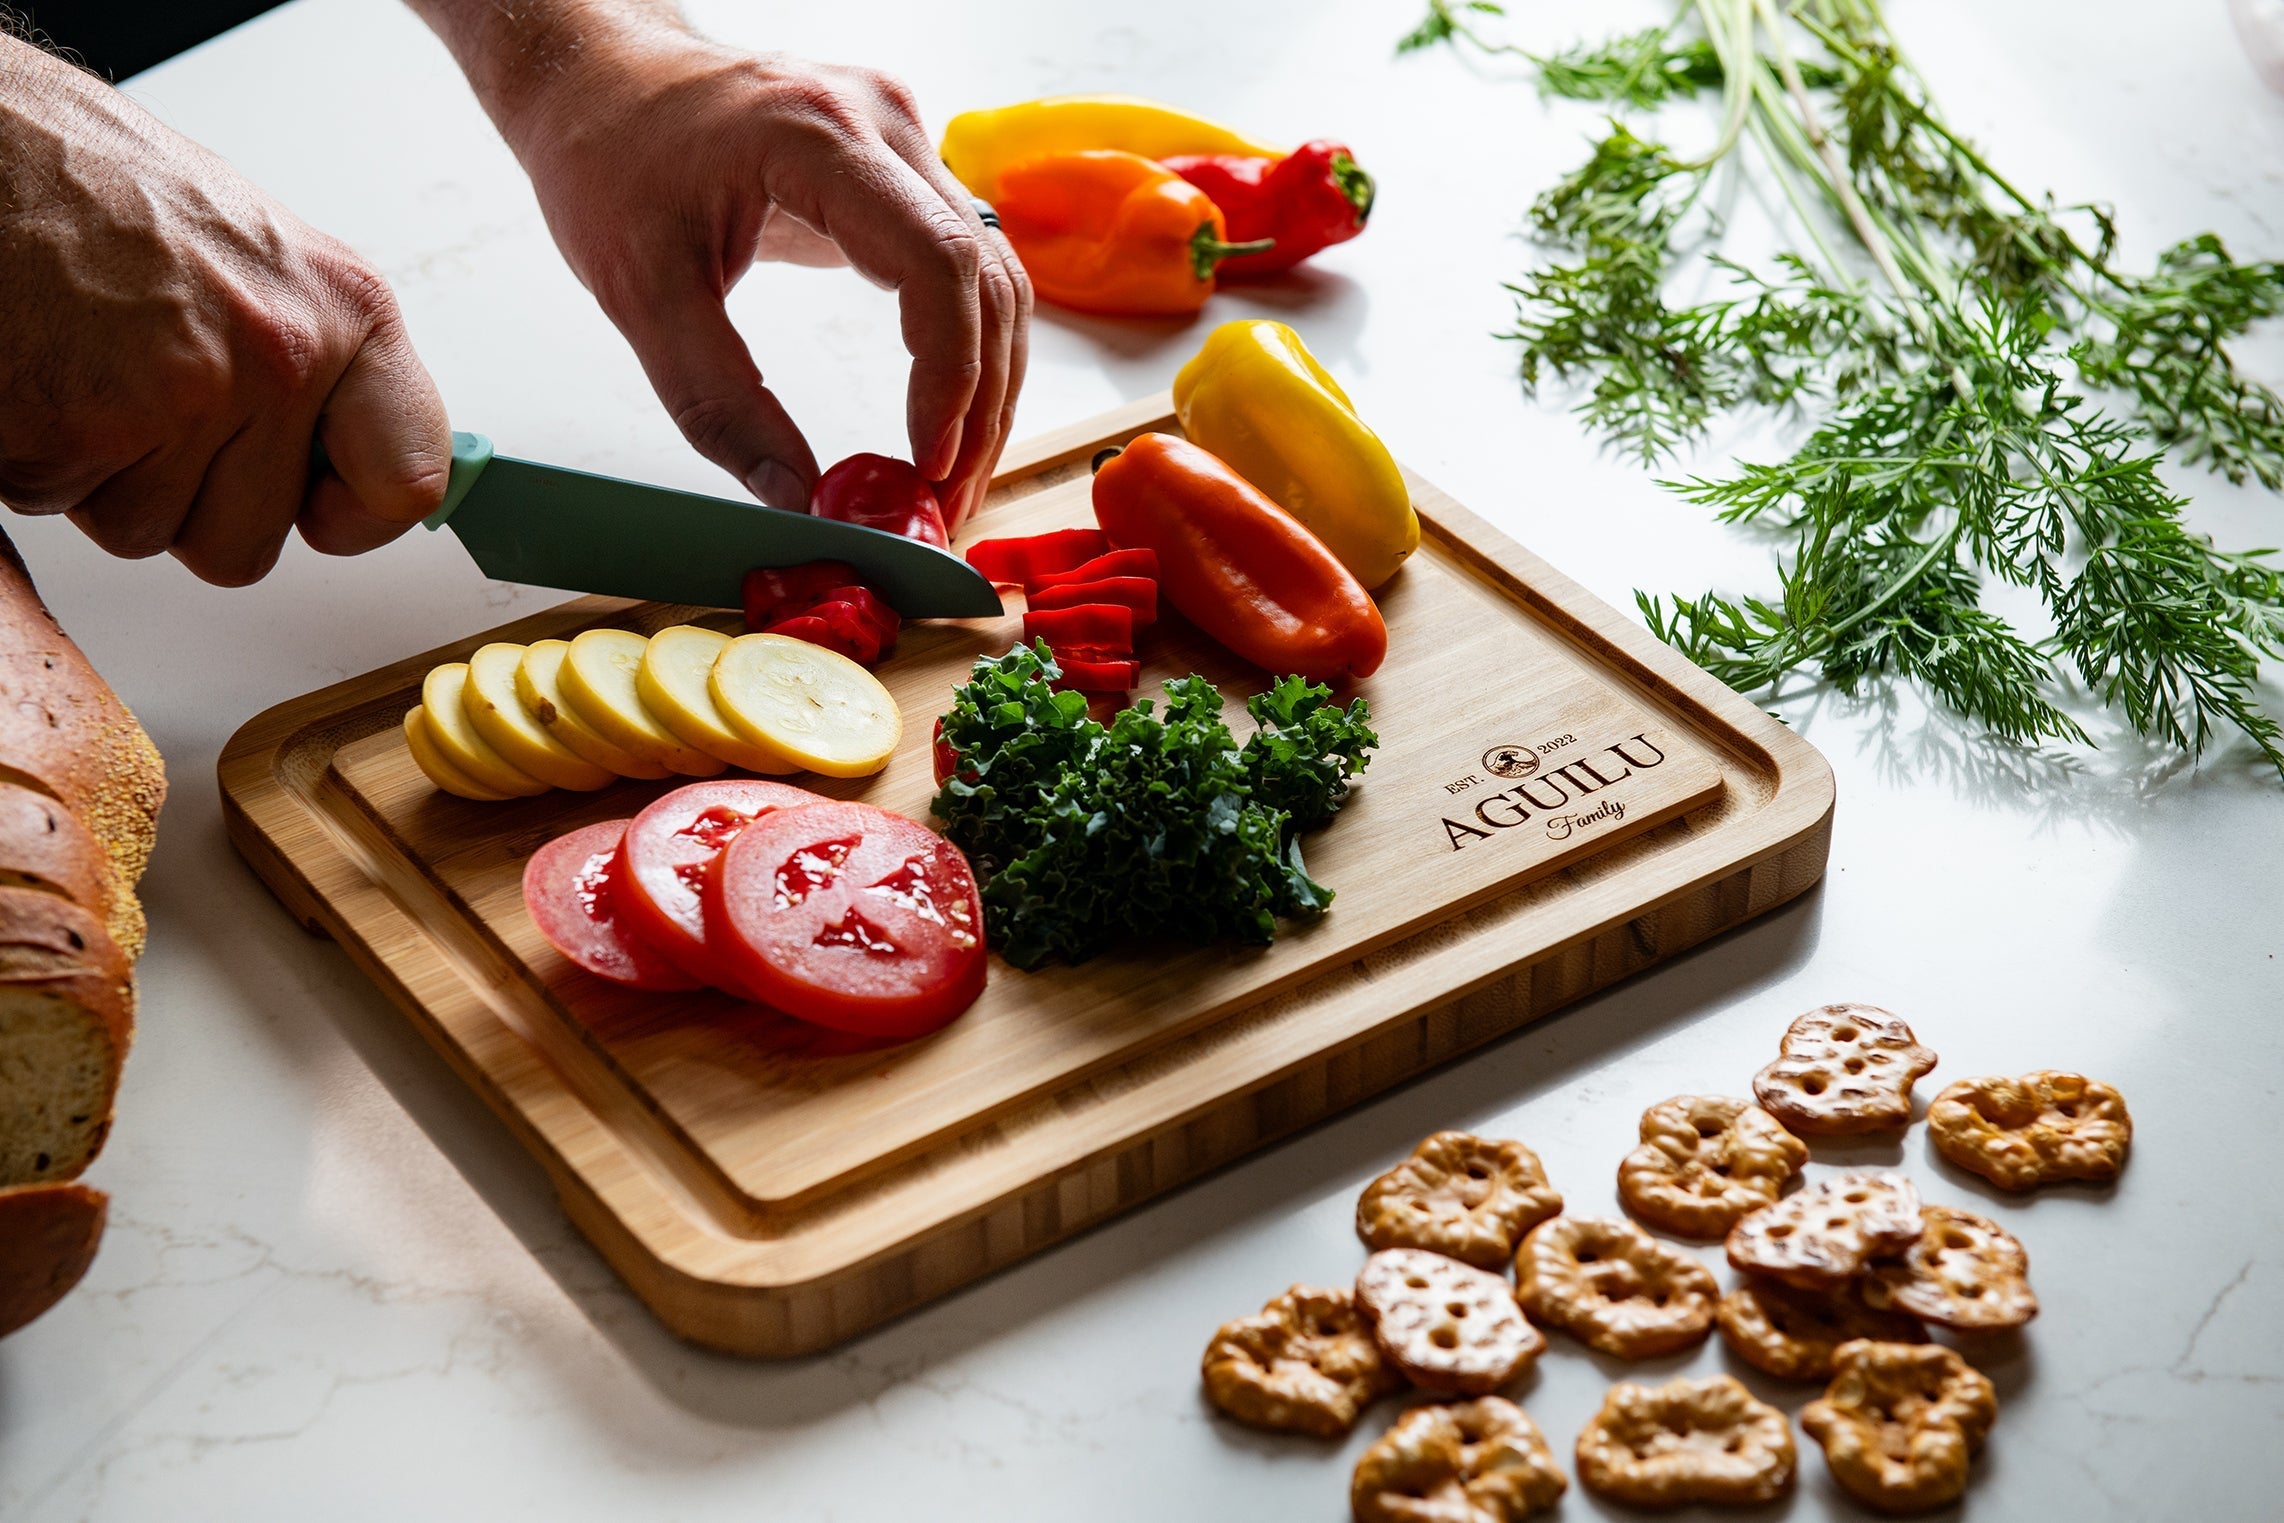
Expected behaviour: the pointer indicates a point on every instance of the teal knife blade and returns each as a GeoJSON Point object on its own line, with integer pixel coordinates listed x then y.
{"type": "Point", "coordinates": [555, 527]}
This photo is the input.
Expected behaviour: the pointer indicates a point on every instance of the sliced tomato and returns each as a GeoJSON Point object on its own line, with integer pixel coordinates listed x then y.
{"type": "Point", "coordinates": [569, 887]}
{"type": "Point", "coordinates": [850, 917]}
{"type": "Point", "coordinates": [663, 865]}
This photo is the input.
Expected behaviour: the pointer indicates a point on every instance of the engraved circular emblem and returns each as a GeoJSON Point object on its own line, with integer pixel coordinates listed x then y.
{"type": "Point", "coordinates": [1510, 761]}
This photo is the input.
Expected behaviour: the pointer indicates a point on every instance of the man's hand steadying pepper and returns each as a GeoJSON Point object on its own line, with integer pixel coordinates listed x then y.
{"type": "Point", "coordinates": [666, 165]}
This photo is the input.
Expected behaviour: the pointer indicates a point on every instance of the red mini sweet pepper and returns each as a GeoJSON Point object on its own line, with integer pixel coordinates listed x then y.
{"type": "Point", "coordinates": [1310, 199]}
{"type": "Point", "coordinates": [882, 492]}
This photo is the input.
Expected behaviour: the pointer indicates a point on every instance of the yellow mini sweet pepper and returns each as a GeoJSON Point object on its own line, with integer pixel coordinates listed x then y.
{"type": "Point", "coordinates": [980, 145]}
{"type": "Point", "coordinates": [1257, 398]}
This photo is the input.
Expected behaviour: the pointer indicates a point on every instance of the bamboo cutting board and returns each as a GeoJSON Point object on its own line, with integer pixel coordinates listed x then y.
{"type": "Point", "coordinates": [1557, 801]}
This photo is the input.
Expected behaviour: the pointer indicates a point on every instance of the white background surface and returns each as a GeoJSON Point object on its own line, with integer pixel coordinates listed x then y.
{"type": "Point", "coordinates": [334, 1287]}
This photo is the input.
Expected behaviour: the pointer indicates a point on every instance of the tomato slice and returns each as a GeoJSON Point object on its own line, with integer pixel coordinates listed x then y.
{"type": "Point", "coordinates": [664, 862]}
{"type": "Point", "coordinates": [568, 885]}
{"type": "Point", "coordinates": [850, 917]}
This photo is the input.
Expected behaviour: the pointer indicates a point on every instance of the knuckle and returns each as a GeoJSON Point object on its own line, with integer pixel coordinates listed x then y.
{"type": "Point", "coordinates": [361, 289]}
{"type": "Point", "coordinates": [1000, 288]}
{"type": "Point", "coordinates": [892, 91]}
{"type": "Point", "coordinates": [954, 248]}
{"type": "Point", "coordinates": [712, 425]}
{"type": "Point", "coordinates": [285, 346]}
{"type": "Point", "coordinates": [819, 108]}
{"type": "Point", "coordinates": [193, 372]}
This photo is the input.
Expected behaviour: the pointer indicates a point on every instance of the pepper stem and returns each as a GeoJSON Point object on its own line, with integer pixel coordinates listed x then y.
{"type": "Point", "coordinates": [1356, 185]}
{"type": "Point", "coordinates": [1206, 250]}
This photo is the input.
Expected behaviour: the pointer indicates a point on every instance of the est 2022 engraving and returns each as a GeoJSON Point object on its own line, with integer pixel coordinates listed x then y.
{"type": "Point", "coordinates": [1560, 798]}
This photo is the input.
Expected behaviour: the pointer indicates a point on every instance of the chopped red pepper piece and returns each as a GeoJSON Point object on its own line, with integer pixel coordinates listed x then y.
{"type": "Point", "coordinates": [848, 639]}
{"type": "Point", "coordinates": [878, 616]}
{"type": "Point", "coordinates": [1137, 593]}
{"type": "Point", "coordinates": [1019, 561]}
{"type": "Point", "coordinates": [779, 592]}
{"type": "Point", "coordinates": [1097, 676]}
{"type": "Point", "coordinates": [853, 633]}
{"type": "Point", "coordinates": [1105, 624]}
{"type": "Point", "coordinates": [1136, 562]}
{"type": "Point", "coordinates": [881, 492]}
{"type": "Point", "coordinates": [947, 755]}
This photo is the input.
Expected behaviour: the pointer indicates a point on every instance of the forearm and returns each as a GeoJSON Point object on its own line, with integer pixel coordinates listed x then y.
{"type": "Point", "coordinates": [514, 51]}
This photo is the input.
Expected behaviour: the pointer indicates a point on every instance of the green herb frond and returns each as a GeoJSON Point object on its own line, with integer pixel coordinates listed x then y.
{"type": "Point", "coordinates": [1957, 433]}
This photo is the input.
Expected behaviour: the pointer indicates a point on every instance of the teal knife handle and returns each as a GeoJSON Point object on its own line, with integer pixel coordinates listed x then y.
{"type": "Point", "coordinates": [470, 454]}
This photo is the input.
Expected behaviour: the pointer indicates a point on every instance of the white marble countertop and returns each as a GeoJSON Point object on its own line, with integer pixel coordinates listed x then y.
{"type": "Point", "coordinates": [334, 1286]}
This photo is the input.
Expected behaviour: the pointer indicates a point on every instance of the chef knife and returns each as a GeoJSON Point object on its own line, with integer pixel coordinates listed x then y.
{"type": "Point", "coordinates": [553, 527]}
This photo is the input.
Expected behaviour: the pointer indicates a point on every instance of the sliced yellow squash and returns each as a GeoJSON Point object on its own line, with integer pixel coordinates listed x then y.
{"type": "Point", "coordinates": [538, 682]}
{"type": "Point", "coordinates": [431, 761]}
{"type": "Point", "coordinates": [447, 724]}
{"type": "Point", "coordinates": [672, 682]}
{"type": "Point", "coordinates": [599, 679]}
{"type": "Point", "coordinates": [812, 706]}
{"type": "Point", "coordinates": [514, 731]}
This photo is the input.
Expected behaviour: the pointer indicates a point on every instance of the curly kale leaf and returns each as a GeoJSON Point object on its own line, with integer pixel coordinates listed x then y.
{"type": "Point", "coordinates": [1155, 826]}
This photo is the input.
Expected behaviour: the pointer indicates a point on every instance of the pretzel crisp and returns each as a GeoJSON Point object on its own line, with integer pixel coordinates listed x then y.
{"type": "Point", "coordinates": [1466, 1197]}
{"type": "Point", "coordinates": [1844, 1069]}
{"type": "Point", "coordinates": [1706, 1160]}
{"type": "Point", "coordinates": [1823, 1237]}
{"type": "Point", "coordinates": [1613, 1285]}
{"type": "Point", "coordinates": [1480, 1461]}
{"type": "Point", "coordinates": [1965, 1271]}
{"type": "Point", "coordinates": [1306, 1363]}
{"type": "Point", "coordinates": [1791, 1333]}
{"type": "Point", "coordinates": [1900, 1422]}
{"type": "Point", "coordinates": [2039, 1129]}
{"type": "Point", "coordinates": [1686, 1441]}
{"type": "Point", "coordinates": [1444, 1325]}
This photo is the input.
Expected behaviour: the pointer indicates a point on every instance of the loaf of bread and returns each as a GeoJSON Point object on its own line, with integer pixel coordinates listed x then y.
{"type": "Point", "coordinates": [48, 1235]}
{"type": "Point", "coordinates": [44, 847]}
{"type": "Point", "coordinates": [66, 1017]}
{"type": "Point", "coordinates": [80, 789]}
{"type": "Point", "coordinates": [64, 733]}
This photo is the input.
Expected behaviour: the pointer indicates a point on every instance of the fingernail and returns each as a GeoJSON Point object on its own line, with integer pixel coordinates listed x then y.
{"type": "Point", "coordinates": [774, 482]}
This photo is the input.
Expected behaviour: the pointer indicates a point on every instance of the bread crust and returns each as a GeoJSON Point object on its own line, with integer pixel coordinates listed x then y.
{"type": "Point", "coordinates": [56, 958]}
{"type": "Point", "coordinates": [64, 733]}
{"type": "Point", "coordinates": [48, 1237]}
{"type": "Point", "coordinates": [44, 847]}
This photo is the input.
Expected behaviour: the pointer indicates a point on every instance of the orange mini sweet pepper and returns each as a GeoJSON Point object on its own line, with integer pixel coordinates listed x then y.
{"type": "Point", "coordinates": [1238, 566]}
{"type": "Point", "coordinates": [1104, 231]}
